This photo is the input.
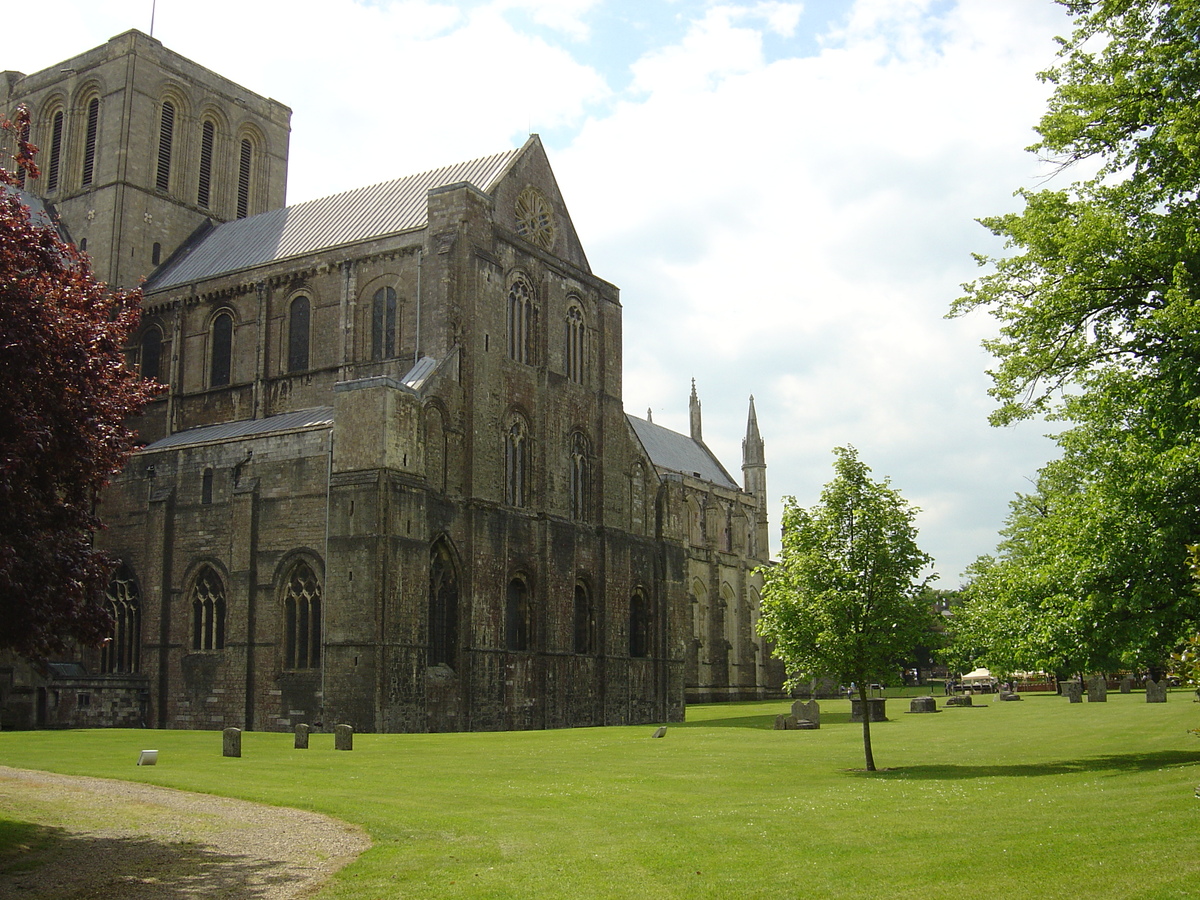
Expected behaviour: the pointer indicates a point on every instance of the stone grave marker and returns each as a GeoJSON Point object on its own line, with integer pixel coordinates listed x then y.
{"type": "Point", "coordinates": [1073, 691]}
{"type": "Point", "coordinates": [1097, 689]}
{"type": "Point", "coordinates": [1127, 684]}
{"type": "Point", "coordinates": [301, 737]}
{"type": "Point", "coordinates": [343, 737]}
{"type": "Point", "coordinates": [1009, 695]}
{"type": "Point", "coordinates": [660, 731]}
{"type": "Point", "coordinates": [1156, 692]}
{"type": "Point", "coordinates": [807, 711]}
{"type": "Point", "coordinates": [959, 700]}
{"type": "Point", "coordinates": [231, 745]}
{"type": "Point", "coordinates": [876, 709]}
{"type": "Point", "coordinates": [922, 705]}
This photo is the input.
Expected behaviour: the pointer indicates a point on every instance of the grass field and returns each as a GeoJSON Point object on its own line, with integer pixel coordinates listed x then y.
{"type": "Point", "coordinates": [1037, 799]}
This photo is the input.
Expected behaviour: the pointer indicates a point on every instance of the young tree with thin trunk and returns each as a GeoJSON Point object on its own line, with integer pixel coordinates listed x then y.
{"type": "Point", "coordinates": [67, 393]}
{"type": "Point", "coordinates": [845, 599]}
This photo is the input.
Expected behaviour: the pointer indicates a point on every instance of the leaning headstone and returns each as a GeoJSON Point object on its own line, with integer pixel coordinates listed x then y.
{"type": "Point", "coordinates": [660, 731]}
{"type": "Point", "coordinates": [1073, 691]}
{"type": "Point", "coordinates": [922, 705]}
{"type": "Point", "coordinates": [875, 709]}
{"type": "Point", "coordinates": [807, 711]}
{"type": "Point", "coordinates": [301, 737]}
{"type": "Point", "coordinates": [232, 744]}
{"type": "Point", "coordinates": [1097, 689]}
{"type": "Point", "coordinates": [1156, 692]}
{"type": "Point", "coordinates": [781, 722]}
{"type": "Point", "coordinates": [1127, 684]}
{"type": "Point", "coordinates": [959, 700]}
{"type": "Point", "coordinates": [343, 737]}
{"type": "Point", "coordinates": [1009, 695]}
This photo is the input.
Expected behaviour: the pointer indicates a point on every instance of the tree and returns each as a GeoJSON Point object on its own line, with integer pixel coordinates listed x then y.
{"type": "Point", "coordinates": [67, 393]}
{"type": "Point", "coordinates": [845, 599]}
{"type": "Point", "coordinates": [1099, 309]}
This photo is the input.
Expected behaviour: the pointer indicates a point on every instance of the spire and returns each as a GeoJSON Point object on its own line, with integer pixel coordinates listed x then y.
{"type": "Point", "coordinates": [695, 410]}
{"type": "Point", "coordinates": [752, 446]}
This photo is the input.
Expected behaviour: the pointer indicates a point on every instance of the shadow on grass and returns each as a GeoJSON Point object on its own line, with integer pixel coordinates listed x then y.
{"type": "Point", "coordinates": [1115, 763]}
{"type": "Point", "coordinates": [766, 722]}
{"type": "Point", "coordinates": [47, 861]}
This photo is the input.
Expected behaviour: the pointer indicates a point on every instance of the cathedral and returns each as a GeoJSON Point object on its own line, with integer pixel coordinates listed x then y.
{"type": "Point", "coordinates": [390, 480]}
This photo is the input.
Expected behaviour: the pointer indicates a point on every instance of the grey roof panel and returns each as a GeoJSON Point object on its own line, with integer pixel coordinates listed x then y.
{"type": "Point", "coordinates": [679, 453]}
{"type": "Point", "coordinates": [358, 215]}
{"type": "Point", "coordinates": [319, 417]}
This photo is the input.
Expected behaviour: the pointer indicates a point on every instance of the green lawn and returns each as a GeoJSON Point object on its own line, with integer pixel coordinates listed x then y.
{"type": "Point", "coordinates": [1037, 799]}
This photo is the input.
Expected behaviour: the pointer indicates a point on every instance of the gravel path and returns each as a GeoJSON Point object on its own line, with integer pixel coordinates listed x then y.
{"type": "Point", "coordinates": [102, 840]}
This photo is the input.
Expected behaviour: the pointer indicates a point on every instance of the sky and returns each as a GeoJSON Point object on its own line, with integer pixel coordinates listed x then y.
{"type": "Point", "coordinates": [786, 193]}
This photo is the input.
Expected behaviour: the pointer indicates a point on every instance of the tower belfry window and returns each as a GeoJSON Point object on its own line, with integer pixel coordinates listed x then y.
{"type": "Point", "coordinates": [243, 196]}
{"type": "Point", "coordinates": [56, 134]}
{"type": "Point", "coordinates": [204, 189]}
{"type": "Point", "coordinates": [166, 136]}
{"type": "Point", "coordinates": [89, 143]}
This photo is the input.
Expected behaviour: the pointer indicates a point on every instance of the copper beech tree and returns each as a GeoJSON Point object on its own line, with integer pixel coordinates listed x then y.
{"type": "Point", "coordinates": [66, 393]}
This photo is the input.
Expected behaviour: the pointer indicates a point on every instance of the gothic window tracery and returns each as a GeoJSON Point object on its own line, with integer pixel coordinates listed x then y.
{"type": "Point", "coordinates": [302, 618]}
{"type": "Point", "coordinates": [579, 476]}
{"type": "Point", "coordinates": [221, 352]}
{"type": "Point", "coordinates": [121, 654]}
{"type": "Point", "coordinates": [574, 348]}
{"type": "Point", "coordinates": [298, 334]}
{"type": "Point", "coordinates": [516, 463]}
{"type": "Point", "coordinates": [443, 606]}
{"type": "Point", "coordinates": [522, 322]}
{"type": "Point", "coordinates": [208, 611]}
{"type": "Point", "coordinates": [383, 324]}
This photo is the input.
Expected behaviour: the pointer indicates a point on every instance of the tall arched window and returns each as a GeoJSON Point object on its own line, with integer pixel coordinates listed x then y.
{"type": "Point", "coordinates": [245, 158]}
{"type": "Point", "coordinates": [221, 355]}
{"type": "Point", "coordinates": [298, 321]}
{"type": "Point", "coordinates": [55, 157]}
{"type": "Point", "coordinates": [121, 654]}
{"type": "Point", "coordinates": [579, 476]}
{"type": "Point", "coordinates": [573, 351]}
{"type": "Point", "coordinates": [152, 354]}
{"type": "Point", "coordinates": [21, 173]}
{"type": "Point", "coordinates": [522, 322]}
{"type": "Point", "coordinates": [516, 463]}
{"type": "Point", "coordinates": [518, 620]}
{"type": "Point", "coordinates": [302, 619]}
{"type": "Point", "coordinates": [208, 132]}
{"type": "Point", "coordinates": [89, 142]}
{"type": "Point", "coordinates": [639, 625]}
{"type": "Point", "coordinates": [443, 607]}
{"type": "Point", "coordinates": [208, 611]}
{"type": "Point", "coordinates": [383, 324]}
{"type": "Point", "coordinates": [166, 137]}
{"type": "Point", "coordinates": [585, 620]}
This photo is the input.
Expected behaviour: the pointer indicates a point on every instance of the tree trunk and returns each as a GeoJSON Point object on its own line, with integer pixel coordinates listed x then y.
{"type": "Point", "coordinates": [866, 720]}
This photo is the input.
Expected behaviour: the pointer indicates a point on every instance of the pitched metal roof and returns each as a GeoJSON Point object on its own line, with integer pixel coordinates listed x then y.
{"type": "Point", "coordinates": [677, 452]}
{"type": "Point", "coordinates": [319, 417]}
{"type": "Point", "coordinates": [358, 215]}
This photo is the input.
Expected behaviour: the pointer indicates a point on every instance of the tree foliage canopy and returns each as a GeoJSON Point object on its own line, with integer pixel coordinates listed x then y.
{"type": "Point", "coordinates": [845, 599]}
{"type": "Point", "coordinates": [67, 393]}
{"type": "Point", "coordinates": [1099, 309]}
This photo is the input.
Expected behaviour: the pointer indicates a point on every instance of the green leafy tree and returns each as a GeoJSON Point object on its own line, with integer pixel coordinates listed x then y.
{"type": "Point", "coordinates": [845, 599]}
{"type": "Point", "coordinates": [67, 393]}
{"type": "Point", "coordinates": [1098, 302]}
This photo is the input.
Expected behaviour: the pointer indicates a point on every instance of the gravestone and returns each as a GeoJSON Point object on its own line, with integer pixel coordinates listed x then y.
{"type": "Point", "coordinates": [232, 743]}
{"type": "Point", "coordinates": [781, 722]}
{"type": "Point", "coordinates": [922, 705]}
{"type": "Point", "coordinates": [875, 709]}
{"type": "Point", "coordinates": [1073, 691]}
{"type": "Point", "coordinates": [301, 737]}
{"type": "Point", "coordinates": [343, 737]}
{"type": "Point", "coordinates": [809, 711]}
{"type": "Point", "coordinates": [959, 700]}
{"type": "Point", "coordinates": [1156, 692]}
{"type": "Point", "coordinates": [1127, 684]}
{"type": "Point", "coordinates": [660, 731]}
{"type": "Point", "coordinates": [1009, 695]}
{"type": "Point", "coordinates": [1097, 689]}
